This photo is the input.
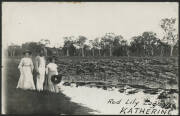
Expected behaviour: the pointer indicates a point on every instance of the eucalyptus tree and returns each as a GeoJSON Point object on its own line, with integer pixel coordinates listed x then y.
{"type": "Point", "coordinates": [98, 45]}
{"type": "Point", "coordinates": [124, 47]}
{"type": "Point", "coordinates": [11, 49]}
{"type": "Point", "coordinates": [95, 44]}
{"type": "Point", "coordinates": [68, 41]}
{"type": "Point", "coordinates": [149, 41]}
{"type": "Point", "coordinates": [43, 43]}
{"type": "Point", "coordinates": [136, 45]}
{"type": "Point", "coordinates": [161, 46]}
{"type": "Point", "coordinates": [144, 44]}
{"type": "Point", "coordinates": [170, 32]}
{"type": "Point", "coordinates": [80, 41]}
{"type": "Point", "coordinates": [87, 49]}
{"type": "Point", "coordinates": [92, 46]}
{"type": "Point", "coordinates": [117, 45]}
{"type": "Point", "coordinates": [108, 40]}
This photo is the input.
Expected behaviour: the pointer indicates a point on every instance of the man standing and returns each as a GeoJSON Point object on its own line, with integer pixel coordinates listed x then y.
{"type": "Point", "coordinates": [40, 67]}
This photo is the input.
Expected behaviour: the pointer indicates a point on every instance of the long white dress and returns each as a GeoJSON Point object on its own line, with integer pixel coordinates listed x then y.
{"type": "Point", "coordinates": [26, 78]}
{"type": "Point", "coordinates": [41, 75]}
{"type": "Point", "coordinates": [51, 69]}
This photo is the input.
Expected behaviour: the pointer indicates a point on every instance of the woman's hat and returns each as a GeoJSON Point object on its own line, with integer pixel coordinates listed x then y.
{"type": "Point", "coordinates": [27, 51]}
{"type": "Point", "coordinates": [56, 79]}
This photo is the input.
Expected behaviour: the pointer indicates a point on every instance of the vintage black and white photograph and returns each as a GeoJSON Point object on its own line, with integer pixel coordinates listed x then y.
{"type": "Point", "coordinates": [96, 58]}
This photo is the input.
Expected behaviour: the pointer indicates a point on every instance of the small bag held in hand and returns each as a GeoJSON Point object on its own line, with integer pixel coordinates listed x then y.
{"type": "Point", "coordinates": [56, 79]}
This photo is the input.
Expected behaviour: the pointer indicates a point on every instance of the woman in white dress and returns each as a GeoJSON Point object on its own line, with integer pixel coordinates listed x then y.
{"type": "Point", "coordinates": [51, 69]}
{"type": "Point", "coordinates": [40, 66]}
{"type": "Point", "coordinates": [26, 69]}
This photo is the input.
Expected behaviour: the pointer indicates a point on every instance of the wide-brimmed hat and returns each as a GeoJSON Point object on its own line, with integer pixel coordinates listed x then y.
{"type": "Point", "coordinates": [27, 51]}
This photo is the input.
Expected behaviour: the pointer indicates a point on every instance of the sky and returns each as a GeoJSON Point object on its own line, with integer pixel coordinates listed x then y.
{"type": "Point", "coordinates": [33, 21]}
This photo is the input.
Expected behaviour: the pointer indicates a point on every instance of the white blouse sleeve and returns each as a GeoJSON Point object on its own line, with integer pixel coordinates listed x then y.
{"type": "Point", "coordinates": [56, 69]}
{"type": "Point", "coordinates": [21, 64]}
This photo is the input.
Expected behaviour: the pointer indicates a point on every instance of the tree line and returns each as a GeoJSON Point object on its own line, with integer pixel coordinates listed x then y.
{"type": "Point", "coordinates": [110, 44]}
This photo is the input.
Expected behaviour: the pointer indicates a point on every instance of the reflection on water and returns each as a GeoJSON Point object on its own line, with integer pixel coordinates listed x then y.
{"type": "Point", "coordinates": [112, 99]}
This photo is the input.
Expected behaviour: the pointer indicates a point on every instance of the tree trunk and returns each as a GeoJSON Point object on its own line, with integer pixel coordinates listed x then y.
{"type": "Point", "coordinates": [82, 52]}
{"type": "Point", "coordinates": [99, 52]}
{"type": "Point", "coordinates": [171, 52]}
{"type": "Point", "coordinates": [13, 53]}
{"type": "Point", "coordinates": [79, 52]}
{"type": "Point", "coordinates": [162, 51]}
{"type": "Point", "coordinates": [67, 52]}
{"type": "Point", "coordinates": [104, 52]}
{"type": "Point", "coordinates": [161, 54]}
{"type": "Point", "coordinates": [10, 52]}
{"type": "Point", "coordinates": [93, 51]}
{"type": "Point", "coordinates": [110, 50]}
{"type": "Point", "coordinates": [57, 52]}
{"type": "Point", "coordinates": [152, 51]}
{"type": "Point", "coordinates": [138, 53]}
{"type": "Point", "coordinates": [127, 52]}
